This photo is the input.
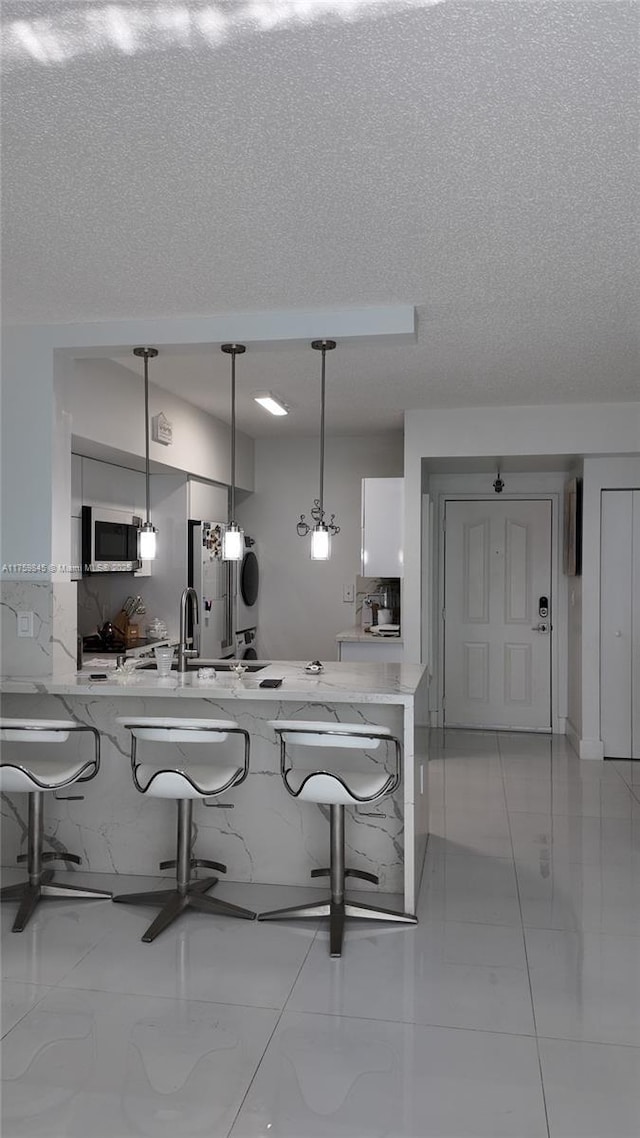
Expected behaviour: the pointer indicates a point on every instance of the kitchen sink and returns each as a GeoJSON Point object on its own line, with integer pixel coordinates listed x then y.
{"type": "Point", "coordinates": [193, 665]}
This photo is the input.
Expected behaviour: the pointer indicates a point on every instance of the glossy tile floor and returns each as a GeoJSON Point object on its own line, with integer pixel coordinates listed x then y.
{"type": "Point", "coordinates": [511, 1011]}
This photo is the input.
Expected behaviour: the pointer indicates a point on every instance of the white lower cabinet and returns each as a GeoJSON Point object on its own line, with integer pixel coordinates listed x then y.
{"type": "Point", "coordinates": [383, 651]}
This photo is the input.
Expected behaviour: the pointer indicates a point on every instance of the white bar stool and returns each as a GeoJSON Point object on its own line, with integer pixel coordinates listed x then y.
{"type": "Point", "coordinates": [336, 787]}
{"type": "Point", "coordinates": [36, 777]}
{"type": "Point", "coordinates": [184, 781]}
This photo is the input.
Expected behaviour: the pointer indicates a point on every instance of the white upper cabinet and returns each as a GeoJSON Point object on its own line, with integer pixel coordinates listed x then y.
{"type": "Point", "coordinates": [208, 502]}
{"type": "Point", "coordinates": [382, 550]}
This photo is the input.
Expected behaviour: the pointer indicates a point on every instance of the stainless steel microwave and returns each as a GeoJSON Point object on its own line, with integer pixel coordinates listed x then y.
{"type": "Point", "coordinates": [109, 541]}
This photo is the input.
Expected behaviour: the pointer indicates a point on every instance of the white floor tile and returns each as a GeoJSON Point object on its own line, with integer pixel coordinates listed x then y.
{"type": "Point", "coordinates": [530, 744]}
{"type": "Point", "coordinates": [58, 935]}
{"type": "Point", "coordinates": [593, 841]}
{"type": "Point", "coordinates": [585, 798]}
{"type": "Point", "coordinates": [591, 1090]}
{"type": "Point", "coordinates": [17, 999]}
{"type": "Point", "coordinates": [441, 973]}
{"type": "Point", "coordinates": [84, 1063]}
{"type": "Point", "coordinates": [586, 986]}
{"type": "Point", "coordinates": [199, 958]}
{"type": "Point", "coordinates": [336, 1076]}
{"type": "Point", "coordinates": [475, 832]}
{"type": "Point", "coordinates": [569, 895]}
{"type": "Point", "coordinates": [470, 888]}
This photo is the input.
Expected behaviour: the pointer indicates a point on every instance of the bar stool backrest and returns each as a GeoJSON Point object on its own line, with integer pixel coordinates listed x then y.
{"type": "Point", "coordinates": [307, 733]}
{"type": "Point", "coordinates": [35, 730]}
{"type": "Point", "coordinates": [170, 730]}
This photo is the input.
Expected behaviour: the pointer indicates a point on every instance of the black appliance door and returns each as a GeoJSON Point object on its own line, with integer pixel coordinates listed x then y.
{"type": "Point", "coordinates": [115, 541]}
{"type": "Point", "coordinates": [249, 579]}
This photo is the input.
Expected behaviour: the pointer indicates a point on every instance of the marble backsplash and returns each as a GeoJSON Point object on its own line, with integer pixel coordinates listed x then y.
{"type": "Point", "coordinates": [366, 586]}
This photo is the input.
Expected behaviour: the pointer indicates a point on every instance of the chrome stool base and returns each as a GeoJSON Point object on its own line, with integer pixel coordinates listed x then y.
{"type": "Point", "coordinates": [176, 902]}
{"type": "Point", "coordinates": [28, 893]}
{"type": "Point", "coordinates": [336, 911]}
{"type": "Point", "coordinates": [336, 907]}
{"type": "Point", "coordinates": [186, 893]}
{"type": "Point", "coordinates": [40, 883]}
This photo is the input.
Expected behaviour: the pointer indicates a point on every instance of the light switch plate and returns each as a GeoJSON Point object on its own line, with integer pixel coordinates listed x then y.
{"type": "Point", "coordinates": [25, 624]}
{"type": "Point", "coordinates": [347, 594]}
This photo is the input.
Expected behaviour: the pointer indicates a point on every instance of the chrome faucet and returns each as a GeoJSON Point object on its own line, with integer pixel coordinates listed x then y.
{"type": "Point", "coordinates": [183, 651]}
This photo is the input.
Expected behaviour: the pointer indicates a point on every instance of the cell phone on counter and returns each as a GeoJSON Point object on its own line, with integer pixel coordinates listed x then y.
{"type": "Point", "coordinates": [270, 683]}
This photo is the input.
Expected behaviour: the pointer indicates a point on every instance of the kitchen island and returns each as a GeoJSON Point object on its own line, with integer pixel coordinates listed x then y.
{"type": "Point", "coordinates": [261, 833]}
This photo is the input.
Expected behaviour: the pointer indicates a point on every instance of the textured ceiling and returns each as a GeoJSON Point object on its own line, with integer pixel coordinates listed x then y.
{"type": "Point", "coordinates": [478, 160]}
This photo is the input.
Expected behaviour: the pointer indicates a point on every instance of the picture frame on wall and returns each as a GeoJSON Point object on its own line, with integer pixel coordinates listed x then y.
{"type": "Point", "coordinates": [572, 548]}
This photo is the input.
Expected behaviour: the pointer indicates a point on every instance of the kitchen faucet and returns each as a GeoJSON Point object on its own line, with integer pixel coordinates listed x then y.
{"type": "Point", "coordinates": [188, 594]}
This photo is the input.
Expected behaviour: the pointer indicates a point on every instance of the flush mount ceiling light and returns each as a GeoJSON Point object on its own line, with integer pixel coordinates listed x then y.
{"type": "Point", "coordinates": [233, 540]}
{"type": "Point", "coordinates": [322, 531]}
{"type": "Point", "coordinates": [147, 535]}
{"type": "Point", "coordinates": [272, 403]}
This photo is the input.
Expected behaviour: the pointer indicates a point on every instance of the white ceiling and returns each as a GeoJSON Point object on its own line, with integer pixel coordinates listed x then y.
{"type": "Point", "coordinates": [478, 160]}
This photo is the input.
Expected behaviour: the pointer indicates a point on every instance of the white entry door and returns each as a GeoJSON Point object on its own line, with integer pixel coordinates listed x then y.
{"type": "Point", "coordinates": [497, 639]}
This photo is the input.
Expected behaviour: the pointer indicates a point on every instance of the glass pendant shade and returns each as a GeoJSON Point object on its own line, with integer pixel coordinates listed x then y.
{"type": "Point", "coordinates": [147, 542]}
{"type": "Point", "coordinates": [320, 543]}
{"type": "Point", "coordinates": [233, 543]}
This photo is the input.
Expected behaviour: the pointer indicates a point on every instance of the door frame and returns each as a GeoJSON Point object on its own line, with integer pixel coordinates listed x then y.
{"type": "Point", "coordinates": [559, 609]}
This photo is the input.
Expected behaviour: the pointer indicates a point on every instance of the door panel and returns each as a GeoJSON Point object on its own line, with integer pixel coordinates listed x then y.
{"type": "Point", "coordinates": [617, 537]}
{"type": "Point", "coordinates": [497, 666]}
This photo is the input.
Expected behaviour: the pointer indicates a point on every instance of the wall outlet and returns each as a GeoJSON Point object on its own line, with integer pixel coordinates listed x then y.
{"type": "Point", "coordinates": [25, 624]}
{"type": "Point", "coordinates": [348, 594]}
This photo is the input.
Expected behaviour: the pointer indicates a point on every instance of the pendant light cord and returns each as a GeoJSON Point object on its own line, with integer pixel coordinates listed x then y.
{"type": "Point", "coordinates": [233, 436]}
{"type": "Point", "coordinates": [322, 385]}
{"type": "Point", "coordinates": [233, 350]}
{"type": "Point", "coordinates": [146, 432]}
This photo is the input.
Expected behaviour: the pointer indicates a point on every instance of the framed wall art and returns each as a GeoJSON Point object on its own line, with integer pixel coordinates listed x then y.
{"type": "Point", "coordinates": [572, 561]}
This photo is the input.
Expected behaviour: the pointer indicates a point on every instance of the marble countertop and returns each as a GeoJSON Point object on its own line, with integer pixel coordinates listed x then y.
{"type": "Point", "coordinates": [340, 682]}
{"type": "Point", "coordinates": [360, 635]}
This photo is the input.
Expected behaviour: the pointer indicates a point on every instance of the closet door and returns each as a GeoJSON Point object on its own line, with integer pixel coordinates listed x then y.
{"type": "Point", "coordinates": [636, 629]}
{"type": "Point", "coordinates": [619, 623]}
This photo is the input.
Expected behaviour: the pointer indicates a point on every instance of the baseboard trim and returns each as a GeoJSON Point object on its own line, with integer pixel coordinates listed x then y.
{"type": "Point", "coordinates": [585, 748]}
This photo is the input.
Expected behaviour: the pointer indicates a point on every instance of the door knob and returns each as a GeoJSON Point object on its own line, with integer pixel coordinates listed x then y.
{"type": "Point", "coordinates": [541, 627]}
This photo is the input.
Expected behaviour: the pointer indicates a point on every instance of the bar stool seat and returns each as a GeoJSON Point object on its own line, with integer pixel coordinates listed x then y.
{"type": "Point", "coordinates": [337, 787]}
{"type": "Point", "coordinates": [35, 776]}
{"type": "Point", "coordinates": [184, 781]}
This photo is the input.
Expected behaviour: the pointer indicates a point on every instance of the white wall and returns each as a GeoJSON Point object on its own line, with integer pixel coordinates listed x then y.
{"type": "Point", "coordinates": [301, 606]}
{"type": "Point", "coordinates": [611, 429]}
{"type": "Point", "coordinates": [26, 453]}
{"type": "Point", "coordinates": [106, 404]}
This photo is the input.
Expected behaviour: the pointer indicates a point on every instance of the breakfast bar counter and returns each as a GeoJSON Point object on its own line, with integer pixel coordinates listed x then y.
{"type": "Point", "coordinates": [257, 829]}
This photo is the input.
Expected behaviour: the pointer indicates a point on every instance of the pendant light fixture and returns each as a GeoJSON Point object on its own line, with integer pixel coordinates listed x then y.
{"type": "Point", "coordinates": [233, 540]}
{"type": "Point", "coordinates": [147, 535]}
{"type": "Point", "coordinates": [322, 531]}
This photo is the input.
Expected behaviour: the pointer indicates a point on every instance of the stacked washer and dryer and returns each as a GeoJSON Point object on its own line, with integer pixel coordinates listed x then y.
{"type": "Point", "coordinates": [247, 588]}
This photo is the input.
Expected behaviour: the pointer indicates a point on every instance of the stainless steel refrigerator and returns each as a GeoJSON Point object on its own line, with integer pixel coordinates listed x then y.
{"type": "Point", "coordinates": [211, 577]}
